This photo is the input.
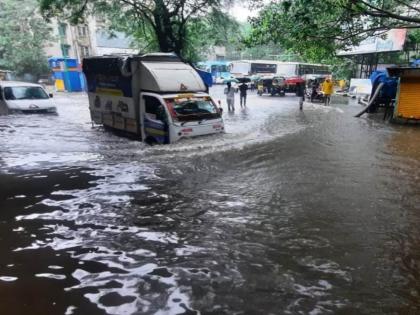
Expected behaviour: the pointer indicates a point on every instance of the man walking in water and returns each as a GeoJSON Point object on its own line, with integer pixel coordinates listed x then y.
{"type": "Point", "coordinates": [327, 89]}
{"type": "Point", "coordinates": [242, 93]}
{"type": "Point", "coordinates": [300, 93]}
{"type": "Point", "coordinates": [230, 97]}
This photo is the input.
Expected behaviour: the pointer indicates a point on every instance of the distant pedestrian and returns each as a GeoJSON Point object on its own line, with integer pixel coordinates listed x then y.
{"type": "Point", "coordinates": [252, 86]}
{"type": "Point", "coordinates": [230, 97]}
{"type": "Point", "coordinates": [300, 93]}
{"type": "Point", "coordinates": [327, 89]}
{"type": "Point", "coordinates": [314, 90]}
{"type": "Point", "coordinates": [242, 93]}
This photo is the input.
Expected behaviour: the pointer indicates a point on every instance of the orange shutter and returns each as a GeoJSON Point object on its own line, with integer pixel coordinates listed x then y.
{"type": "Point", "coordinates": [409, 99]}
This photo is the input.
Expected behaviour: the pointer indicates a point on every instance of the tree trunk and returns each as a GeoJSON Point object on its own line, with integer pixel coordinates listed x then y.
{"type": "Point", "coordinates": [167, 35]}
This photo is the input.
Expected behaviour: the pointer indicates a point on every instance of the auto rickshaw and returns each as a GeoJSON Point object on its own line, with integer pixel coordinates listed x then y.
{"type": "Point", "coordinates": [260, 87]}
{"type": "Point", "coordinates": [272, 85]}
{"type": "Point", "coordinates": [278, 86]}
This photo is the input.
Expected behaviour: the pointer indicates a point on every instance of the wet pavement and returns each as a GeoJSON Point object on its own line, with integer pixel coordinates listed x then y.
{"type": "Point", "coordinates": [289, 212]}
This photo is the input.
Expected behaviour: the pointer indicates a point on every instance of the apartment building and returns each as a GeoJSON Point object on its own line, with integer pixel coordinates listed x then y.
{"type": "Point", "coordinates": [88, 39]}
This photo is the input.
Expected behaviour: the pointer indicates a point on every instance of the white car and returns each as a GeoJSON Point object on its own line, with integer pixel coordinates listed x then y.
{"type": "Point", "coordinates": [23, 97]}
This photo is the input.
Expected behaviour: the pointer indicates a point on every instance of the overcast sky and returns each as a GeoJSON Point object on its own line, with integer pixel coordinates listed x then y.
{"type": "Point", "coordinates": [241, 13]}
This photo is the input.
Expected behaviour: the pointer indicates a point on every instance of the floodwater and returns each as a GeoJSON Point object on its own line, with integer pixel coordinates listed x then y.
{"type": "Point", "coordinates": [289, 212]}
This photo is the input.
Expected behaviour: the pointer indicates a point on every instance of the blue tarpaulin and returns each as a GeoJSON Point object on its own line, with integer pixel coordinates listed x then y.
{"type": "Point", "coordinates": [389, 89]}
{"type": "Point", "coordinates": [206, 77]}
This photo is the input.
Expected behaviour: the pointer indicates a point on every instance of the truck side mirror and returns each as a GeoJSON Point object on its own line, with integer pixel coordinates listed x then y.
{"type": "Point", "coordinates": [50, 95]}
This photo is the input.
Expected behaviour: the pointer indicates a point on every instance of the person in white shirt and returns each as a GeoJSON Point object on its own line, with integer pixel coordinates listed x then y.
{"type": "Point", "coordinates": [230, 96]}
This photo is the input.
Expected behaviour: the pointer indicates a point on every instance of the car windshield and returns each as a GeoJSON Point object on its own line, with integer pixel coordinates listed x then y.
{"type": "Point", "coordinates": [189, 109]}
{"type": "Point", "coordinates": [24, 93]}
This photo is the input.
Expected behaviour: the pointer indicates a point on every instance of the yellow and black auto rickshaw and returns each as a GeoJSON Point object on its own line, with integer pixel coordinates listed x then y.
{"type": "Point", "coordinates": [272, 85]}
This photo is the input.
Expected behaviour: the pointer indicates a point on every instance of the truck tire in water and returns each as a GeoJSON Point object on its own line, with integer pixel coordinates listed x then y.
{"type": "Point", "coordinates": [151, 141]}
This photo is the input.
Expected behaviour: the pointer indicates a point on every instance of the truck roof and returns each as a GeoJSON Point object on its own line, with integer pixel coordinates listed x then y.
{"type": "Point", "coordinates": [170, 77]}
{"type": "Point", "coordinates": [157, 72]}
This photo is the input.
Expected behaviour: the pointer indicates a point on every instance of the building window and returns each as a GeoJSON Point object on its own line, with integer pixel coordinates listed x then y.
{"type": "Point", "coordinates": [62, 29]}
{"type": "Point", "coordinates": [65, 50]}
{"type": "Point", "coordinates": [82, 30]}
{"type": "Point", "coordinates": [84, 51]}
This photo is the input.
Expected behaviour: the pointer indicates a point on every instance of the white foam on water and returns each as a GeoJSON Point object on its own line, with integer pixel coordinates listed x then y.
{"type": "Point", "coordinates": [70, 310]}
{"type": "Point", "coordinates": [161, 237]}
{"type": "Point", "coordinates": [173, 303]}
{"type": "Point", "coordinates": [37, 160]}
{"type": "Point", "coordinates": [325, 266]}
{"type": "Point", "coordinates": [50, 276]}
{"type": "Point", "coordinates": [321, 107]}
{"type": "Point", "coordinates": [188, 250]}
{"type": "Point", "coordinates": [8, 278]}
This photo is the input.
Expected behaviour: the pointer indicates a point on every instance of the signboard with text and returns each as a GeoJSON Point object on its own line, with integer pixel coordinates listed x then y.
{"type": "Point", "coordinates": [392, 40]}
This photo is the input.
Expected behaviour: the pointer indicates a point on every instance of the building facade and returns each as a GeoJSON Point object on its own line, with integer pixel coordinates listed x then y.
{"type": "Point", "coordinates": [87, 39]}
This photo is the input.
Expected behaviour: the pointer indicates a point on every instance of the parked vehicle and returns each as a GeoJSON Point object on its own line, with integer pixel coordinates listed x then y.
{"type": "Point", "coordinates": [271, 85]}
{"type": "Point", "coordinates": [6, 75]}
{"type": "Point", "coordinates": [218, 69]}
{"type": "Point", "coordinates": [23, 97]}
{"type": "Point", "coordinates": [155, 97]}
{"type": "Point", "coordinates": [278, 86]}
{"type": "Point", "coordinates": [294, 72]}
{"type": "Point", "coordinates": [314, 88]}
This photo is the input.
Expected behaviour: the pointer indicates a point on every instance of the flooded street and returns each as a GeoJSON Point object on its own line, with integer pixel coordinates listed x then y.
{"type": "Point", "coordinates": [289, 212]}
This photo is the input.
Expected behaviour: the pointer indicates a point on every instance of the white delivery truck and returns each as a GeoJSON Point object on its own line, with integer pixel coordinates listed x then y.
{"type": "Point", "coordinates": [156, 97]}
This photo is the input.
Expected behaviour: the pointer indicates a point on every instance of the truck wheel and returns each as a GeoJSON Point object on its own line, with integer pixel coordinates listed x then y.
{"type": "Point", "coordinates": [151, 141]}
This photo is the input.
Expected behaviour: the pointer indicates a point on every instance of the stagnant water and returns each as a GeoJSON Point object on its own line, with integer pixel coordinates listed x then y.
{"type": "Point", "coordinates": [289, 212]}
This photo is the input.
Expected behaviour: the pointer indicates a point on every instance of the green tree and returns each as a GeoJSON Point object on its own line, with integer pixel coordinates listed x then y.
{"type": "Point", "coordinates": [164, 23]}
{"type": "Point", "coordinates": [23, 36]}
{"type": "Point", "coordinates": [215, 27]}
{"type": "Point", "coordinates": [317, 29]}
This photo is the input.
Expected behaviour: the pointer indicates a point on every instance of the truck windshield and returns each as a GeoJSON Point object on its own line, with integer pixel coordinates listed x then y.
{"type": "Point", "coordinates": [190, 109]}
{"type": "Point", "coordinates": [24, 93]}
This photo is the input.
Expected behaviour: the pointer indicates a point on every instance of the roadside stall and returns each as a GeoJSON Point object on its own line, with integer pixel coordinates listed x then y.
{"type": "Point", "coordinates": [407, 105]}
{"type": "Point", "coordinates": [67, 74]}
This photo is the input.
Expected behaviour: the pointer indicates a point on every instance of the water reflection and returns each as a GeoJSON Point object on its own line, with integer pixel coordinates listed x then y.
{"type": "Point", "coordinates": [289, 212]}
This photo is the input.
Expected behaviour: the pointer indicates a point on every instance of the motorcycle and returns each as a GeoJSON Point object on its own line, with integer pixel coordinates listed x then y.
{"type": "Point", "coordinates": [315, 95]}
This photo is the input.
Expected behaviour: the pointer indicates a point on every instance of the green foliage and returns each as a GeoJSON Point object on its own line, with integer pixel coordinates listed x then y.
{"type": "Point", "coordinates": [317, 29]}
{"type": "Point", "coordinates": [171, 26]}
{"type": "Point", "coordinates": [214, 29]}
{"type": "Point", "coordinates": [23, 36]}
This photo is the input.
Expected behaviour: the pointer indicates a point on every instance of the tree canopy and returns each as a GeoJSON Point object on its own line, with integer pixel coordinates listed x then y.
{"type": "Point", "coordinates": [214, 28]}
{"type": "Point", "coordinates": [23, 36]}
{"type": "Point", "coordinates": [317, 29]}
{"type": "Point", "coordinates": [165, 24]}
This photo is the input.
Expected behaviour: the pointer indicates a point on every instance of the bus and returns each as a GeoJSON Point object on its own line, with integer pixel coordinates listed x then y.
{"type": "Point", "coordinates": [291, 69]}
{"type": "Point", "coordinates": [296, 72]}
{"type": "Point", "coordinates": [218, 69]}
{"type": "Point", "coordinates": [243, 68]}
{"type": "Point", "coordinates": [286, 69]}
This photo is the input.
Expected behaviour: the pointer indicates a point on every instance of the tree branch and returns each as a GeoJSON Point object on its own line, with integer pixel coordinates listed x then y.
{"type": "Point", "coordinates": [378, 12]}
